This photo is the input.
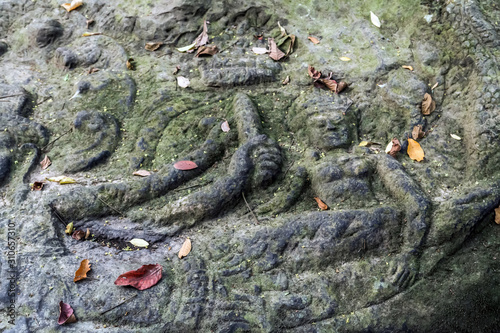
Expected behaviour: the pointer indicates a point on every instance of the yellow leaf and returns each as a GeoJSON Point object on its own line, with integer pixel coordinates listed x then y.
{"type": "Point", "coordinates": [139, 242]}
{"type": "Point", "coordinates": [69, 228]}
{"type": "Point", "coordinates": [185, 249]}
{"type": "Point", "coordinates": [415, 151]}
{"type": "Point", "coordinates": [56, 179]}
{"type": "Point", "coordinates": [67, 180]}
{"type": "Point", "coordinates": [345, 59]}
{"type": "Point", "coordinates": [87, 34]}
{"type": "Point", "coordinates": [186, 48]}
{"type": "Point", "coordinates": [73, 5]}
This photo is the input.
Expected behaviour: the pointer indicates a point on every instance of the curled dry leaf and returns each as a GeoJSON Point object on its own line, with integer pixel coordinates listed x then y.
{"type": "Point", "coordinates": [415, 151]}
{"type": "Point", "coordinates": [313, 39]}
{"type": "Point", "coordinates": [183, 82]}
{"type": "Point", "coordinates": [330, 84]}
{"type": "Point", "coordinates": [87, 234]}
{"type": "Point", "coordinates": [73, 5]}
{"type": "Point", "coordinates": [142, 173]}
{"type": "Point", "coordinates": [260, 50]}
{"type": "Point", "coordinates": [92, 70]}
{"type": "Point", "coordinates": [286, 80]}
{"type": "Point", "coordinates": [275, 53]}
{"type": "Point", "coordinates": [374, 19]}
{"type": "Point", "coordinates": [497, 215]}
{"type": "Point", "coordinates": [69, 228]}
{"type": "Point", "coordinates": [428, 105]}
{"type": "Point", "coordinates": [321, 204]}
{"type": "Point", "coordinates": [185, 249]}
{"type": "Point", "coordinates": [185, 165]}
{"type": "Point", "coordinates": [81, 273]}
{"type": "Point", "coordinates": [290, 46]}
{"type": "Point", "coordinates": [283, 31]}
{"type": "Point", "coordinates": [131, 64]}
{"type": "Point", "coordinates": [152, 46]}
{"type": "Point", "coordinates": [316, 75]}
{"type": "Point", "coordinates": [408, 67]}
{"type": "Point", "coordinates": [67, 180]}
{"type": "Point", "coordinates": [225, 126]}
{"type": "Point", "coordinates": [341, 86]}
{"type": "Point", "coordinates": [88, 34]}
{"type": "Point", "coordinates": [139, 242]}
{"type": "Point", "coordinates": [207, 50]}
{"type": "Point", "coordinates": [434, 86]}
{"type": "Point", "coordinates": [78, 235]}
{"type": "Point", "coordinates": [143, 278]}
{"type": "Point", "coordinates": [202, 38]}
{"type": "Point", "coordinates": [186, 48]}
{"type": "Point", "coordinates": [417, 132]}
{"type": "Point", "coordinates": [66, 314]}
{"type": "Point", "coordinates": [37, 186]}
{"type": "Point", "coordinates": [345, 59]}
{"type": "Point", "coordinates": [45, 163]}
{"type": "Point", "coordinates": [395, 146]}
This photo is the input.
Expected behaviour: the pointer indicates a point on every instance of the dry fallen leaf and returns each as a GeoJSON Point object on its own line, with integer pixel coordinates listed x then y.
{"type": "Point", "coordinates": [316, 75]}
{"type": "Point", "coordinates": [428, 105]}
{"type": "Point", "coordinates": [66, 314]}
{"type": "Point", "coordinates": [417, 132]}
{"type": "Point", "coordinates": [435, 85]}
{"type": "Point", "coordinates": [142, 173]}
{"type": "Point", "coordinates": [56, 179]}
{"type": "Point", "coordinates": [92, 70]}
{"type": "Point", "coordinates": [87, 234]}
{"type": "Point", "coordinates": [67, 180]}
{"type": "Point", "coordinates": [497, 215]}
{"type": "Point", "coordinates": [341, 86]}
{"type": "Point", "coordinates": [374, 19]}
{"type": "Point", "coordinates": [345, 59]}
{"type": "Point", "coordinates": [408, 67]}
{"type": "Point", "coordinates": [207, 50]}
{"type": "Point", "coordinates": [73, 5]}
{"type": "Point", "coordinates": [185, 165]}
{"type": "Point", "coordinates": [368, 143]}
{"type": "Point", "coordinates": [45, 163]}
{"type": "Point", "coordinates": [183, 82]}
{"type": "Point", "coordinates": [395, 147]}
{"type": "Point", "coordinates": [185, 249]}
{"type": "Point", "coordinates": [37, 186]}
{"type": "Point", "coordinates": [139, 242]}
{"type": "Point", "coordinates": [290, 46]}
{"type": "Point", "coordinates": [88, 34]}
{"type": "Point", "coordinates": [81, 273]}
{"type": "Point", "coordinates": [78, 235]}
{"type": "Point", "coordinates": [131, 64]}
{"type": "Point", "coordinates": [202, 38]}
{"type": "Point", "coordinates": [143, 278]}
{"type": "Point", "coordinates": [330, 84]}
{"type": "Point", "coordinates": [275, 53]}
{"type": "Point", "coordinates": [313, 39]}
{"type": "Point", "coordinates": [89, 23]}
{"type": "Point", "coordinates": [176, 70]}
{"type": "Point", "coordinates": [283, 31]}
{"type": "Point", "coordinates": [186, 48]}
{"type": "Point", "coordinates": [225, 126]}
{"type": "Point", "coordinates": [415, 151]}
{"type": "Point", "coordinates": [456, 137]}
{"type": "Point", "coordinates": [151, 46]}
{"type": "Point", "coordinates": [321, 204]}
{"type": "Point", "coordinates": [69, 228]}
{"type": "Point", "coordinates": [286, 80]}
{"type": "Point", "coordinates": [260, 50]}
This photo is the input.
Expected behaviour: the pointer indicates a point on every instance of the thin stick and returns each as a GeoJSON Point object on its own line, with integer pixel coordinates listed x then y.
{"type": "Point", "coordinates": [7, 96]}
{"type": "Point", "coordinates": [116, 210]}
{"type": "Point", "coordinates": [196, 185]}
{"type": "Point", "coordinates": [250, 209]}
{"type": "Point", "coordinates": [58, 216]}
{"type": "Point", "coordinates": [60, 136]}
{"type": "Point", "coordinates": [114, 307]}
{"type": "Point", "coordinates": [46, 99]}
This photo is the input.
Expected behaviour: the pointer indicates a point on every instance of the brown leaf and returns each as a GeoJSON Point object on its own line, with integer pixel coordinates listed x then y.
{"type": "Point", "coordinates": [275, 53]}
{"type": "Point", "coordinates": [286, 81]}
{"type": "Point", "coordinates": [66, 314]}
{"type": "Point", "coordinates": [78, 235]}
{"type": "Point", "coordinates": [176, 70]}
{"type": "Point", "coordinates": [185, 249]}
{"type": "Point", "coordinates": [37, 186]}
{"type": "Point", "coordinates": [415, 151]}
{"type": "Point", "coordinates": [321, 204]}
{"type": "Point", "coordinates": [152, 46]}
{"type": "Point", "coordinates": [341, 86]}
{"type": "Point", "coordinates": [396, 146]}
{"type": "Point", "coordinates": [185, 165]}
{"type": "Point", "coordinates": [207, 49]}
{"type": "Point", "coordinates": [202, 38]}
{"type": "Point", "coordinates": [330, 84]}
{"type": "Point", "coordinates": [313, 39]}
{"type": "Point", "coordinates": [225, 126]}
{"type": "Point", "coordinates": [497, 215]}
{"type": "Point", "coordinates": [143, 278]}
{"type": "Point", "coordinates": [142, 173]}
{"type": "Point", "coordinates": [316, 75]}
{"type": "Point", "coordinates": [73, 5]}
{"type": "Point", "coordinates": [87, 234]}
{"type": "Point", "coordinates": [131, 64]}
{"type": "Point", "coordinates": [290, 46]}
{"type": "Point", "coordinates": [81, 273]}
{"type": "Point", "coordinates": [428, 105]}
{"type": "Point", "coordinates": [45, 163]}
{"type": "Point", "coordinates": [92, 70]}
{"type": "Point", "coordinates": [417, 132]}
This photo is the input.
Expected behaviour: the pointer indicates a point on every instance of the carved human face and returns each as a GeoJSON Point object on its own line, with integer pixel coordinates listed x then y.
{"type": "Point", "coordinates": [328, 129]}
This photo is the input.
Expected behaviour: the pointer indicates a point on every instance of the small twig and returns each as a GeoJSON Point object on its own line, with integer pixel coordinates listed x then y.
{"type": "Point", "coordinates": [250, 209]}
{"type": "Point", "coordinates": [46, 99]}
{"type": "Point", "coordinates": [7, 96]}
{"type": "Point", "coordinates": [114, 307]}
{"type": "Point", "coordinates": [116, 210]}
{"type": "Point", "coordinates": [60, 136]}
{"type": "Point", "coordinates": [196, 185]}
{"type": "Point", "coordinates": [58, 216]}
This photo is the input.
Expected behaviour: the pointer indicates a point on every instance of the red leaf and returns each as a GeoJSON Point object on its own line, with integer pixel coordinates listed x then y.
{"type": "Point", "coordinates": [79, 234]}
{"type": "Point", "coordinates": [66, 315]}
{"type": "Point", "coordinates": [185, 165]}
{"type": "Point", "coordinates": [316, 75]}
{"type": "Point", "coordinates": [330, 84]}
{"type": "Point", "coordinates": [143, 278]}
